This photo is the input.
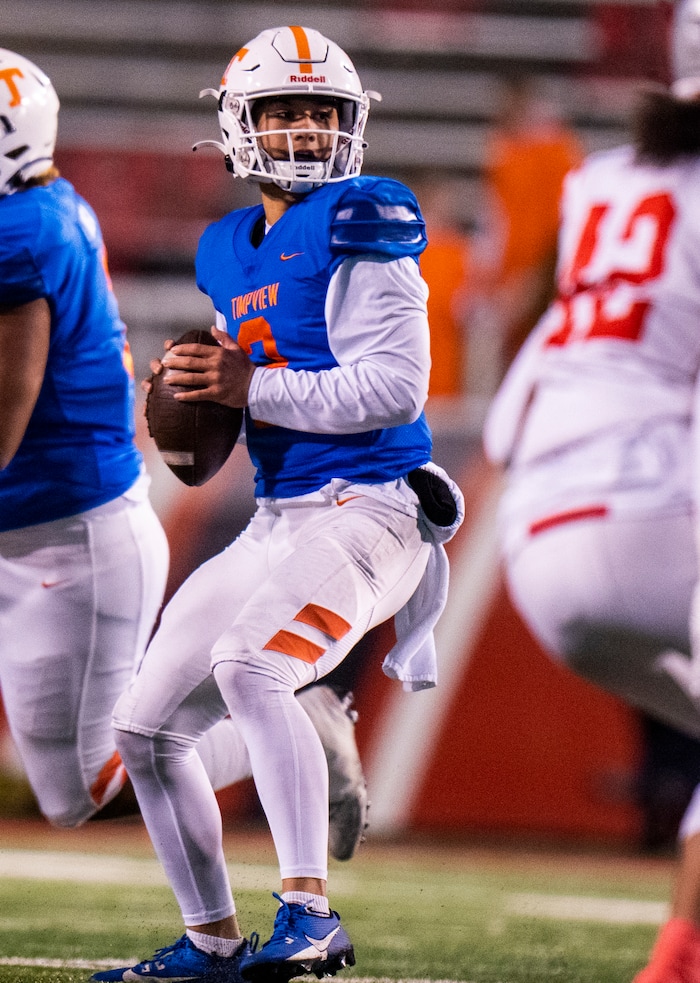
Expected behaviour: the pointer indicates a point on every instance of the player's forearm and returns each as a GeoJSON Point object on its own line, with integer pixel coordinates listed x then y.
{"type": "Point", "coordinates": [24, 345]}
{"type": "Point", "coordinates": [381, 391]}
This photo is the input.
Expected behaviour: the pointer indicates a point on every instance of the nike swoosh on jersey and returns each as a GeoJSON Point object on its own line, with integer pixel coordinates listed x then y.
{"type": "Point", "coordinates": [286, 256]}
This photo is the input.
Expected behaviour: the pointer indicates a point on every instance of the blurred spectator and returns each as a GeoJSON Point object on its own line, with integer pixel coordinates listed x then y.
{"type": "Point", "coordinates": [446, 268]}
{"type": "Point", "coordinates": [527, 154]}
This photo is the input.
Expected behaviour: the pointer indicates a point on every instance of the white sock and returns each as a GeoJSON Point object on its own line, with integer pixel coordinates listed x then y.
{"type": "Point", "coordinates": [213, 945]}
{"type": "Point", "coordinates": [318, 904]}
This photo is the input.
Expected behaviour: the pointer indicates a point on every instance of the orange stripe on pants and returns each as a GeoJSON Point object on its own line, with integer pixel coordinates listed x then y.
{"type": "Point", "coordinates": [325, 620]}
{"type": "Point", "coordinates": [106, 777]}
{"type": "Point", "coordinates": [288, 643]}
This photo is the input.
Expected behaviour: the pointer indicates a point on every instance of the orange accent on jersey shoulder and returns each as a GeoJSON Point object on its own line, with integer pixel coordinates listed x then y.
{"type": "Point", "coordinates": [327, 621]}
{"type": "Point", "coordinates": [344, 501]}
{"type": "Point", "coordinates": [288, 643]}
{"type": "Point", "coordinates": [303, 50]}
{"type": "Point", "coordinates": [572, 515]}
{"type": "Point", "coordinates": [106, 777]}
{"type": "Point", "coordinates": [6, 76]}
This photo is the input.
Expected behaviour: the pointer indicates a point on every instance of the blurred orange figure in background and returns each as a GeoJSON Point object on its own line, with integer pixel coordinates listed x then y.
{"type": "Point", "coordinates": [528, 153]}
{"type": "Point", "coordinates": [446, 266]}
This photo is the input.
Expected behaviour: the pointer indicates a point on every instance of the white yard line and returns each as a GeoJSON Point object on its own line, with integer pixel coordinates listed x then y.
{"type": "Point", "coordinates": [611, 911]}
{"type": "Point", "coordinates": [54, 865]}
{"type": "Point", "coordinates": [105, 869]}
{"type": "Point", "coordinates": [100, 868]}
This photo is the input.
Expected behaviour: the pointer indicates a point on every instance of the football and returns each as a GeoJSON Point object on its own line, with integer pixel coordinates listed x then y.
{"type": "Point", "coordinates": [194, 439]}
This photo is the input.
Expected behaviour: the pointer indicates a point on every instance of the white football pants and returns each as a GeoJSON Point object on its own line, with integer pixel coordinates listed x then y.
{"type": "Point", "coordinates": [279, 608]}
{"type": "Point", "coordinates": [78, 600]}
{"type": "Point", "coordinates": [615, 599]}
{"type": "Point", "coordinates": [610, 596]}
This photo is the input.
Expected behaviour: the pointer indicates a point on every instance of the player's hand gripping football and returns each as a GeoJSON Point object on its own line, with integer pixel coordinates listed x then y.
{"type": "Point", "coordinates": [221, 373]}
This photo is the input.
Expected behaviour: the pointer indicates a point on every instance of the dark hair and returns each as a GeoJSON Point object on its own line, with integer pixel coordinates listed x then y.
{"type": "Point", "coordinates": [665, 128]}
{"type": "Point", "coordinates": [39, 180]}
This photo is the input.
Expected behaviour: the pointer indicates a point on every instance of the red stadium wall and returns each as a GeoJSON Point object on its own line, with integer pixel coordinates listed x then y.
{"type": "Point", "coordinates": [526, 748]}
{"type": "Point", "coordinates": [529, 747]}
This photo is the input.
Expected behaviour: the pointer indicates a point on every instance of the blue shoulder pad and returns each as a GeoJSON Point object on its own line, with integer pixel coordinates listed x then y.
{"type": "Point", "coordinates": [378, 215]}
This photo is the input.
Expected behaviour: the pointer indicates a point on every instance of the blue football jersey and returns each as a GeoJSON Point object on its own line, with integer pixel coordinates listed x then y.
{"type": "Point", "coordinates": [273, 297]}
{"type": "Point", "coordinates": [78, 451]}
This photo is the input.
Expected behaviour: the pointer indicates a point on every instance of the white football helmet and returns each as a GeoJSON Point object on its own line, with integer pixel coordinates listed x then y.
{"type": "Point", "coordinates": [28, 121]}
{"type": "Point", "coordinates": [290, 61]}
{"type": "Point", "coordinates": [685, 49]}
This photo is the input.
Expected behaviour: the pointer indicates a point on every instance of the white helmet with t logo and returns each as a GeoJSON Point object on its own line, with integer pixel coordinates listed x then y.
{"type": "Point", "coordinates": [284, 62]}
{"type": "Point", "coordinates": [28, 121]}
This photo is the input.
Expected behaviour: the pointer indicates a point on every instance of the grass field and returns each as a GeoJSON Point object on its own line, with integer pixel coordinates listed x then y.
{"type": "Point", "coordinates": [71, 902]}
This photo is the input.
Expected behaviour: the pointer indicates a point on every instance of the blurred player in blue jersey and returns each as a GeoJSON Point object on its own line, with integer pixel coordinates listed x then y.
{"type": "Point", "coordinates": [83, 558]}
{"type": "Point", "coordinates": [323, 331]}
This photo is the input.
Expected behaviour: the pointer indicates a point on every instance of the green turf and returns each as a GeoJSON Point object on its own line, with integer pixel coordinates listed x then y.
{"type": "Point", "coordinates": [411, 914]}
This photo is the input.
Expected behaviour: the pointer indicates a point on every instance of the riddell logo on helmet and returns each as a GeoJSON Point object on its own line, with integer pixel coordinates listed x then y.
{"type": "Point", "coordinates": [307, 78]}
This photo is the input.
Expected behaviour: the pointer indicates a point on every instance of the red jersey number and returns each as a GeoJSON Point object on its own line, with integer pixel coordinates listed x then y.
{"type": "Point", "coordinates": [609, 307]}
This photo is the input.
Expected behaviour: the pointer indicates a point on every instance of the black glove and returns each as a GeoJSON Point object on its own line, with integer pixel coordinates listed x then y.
{"type": "Point", "coordinates": [434, 496]}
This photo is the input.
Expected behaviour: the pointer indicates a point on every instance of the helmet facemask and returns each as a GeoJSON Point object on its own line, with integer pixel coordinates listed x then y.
{"type": "Point", "coordinates": [292, 167]}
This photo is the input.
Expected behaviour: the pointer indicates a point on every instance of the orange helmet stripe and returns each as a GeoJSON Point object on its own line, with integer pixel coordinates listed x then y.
{"type": "Point", "coordinates": [303, 50]}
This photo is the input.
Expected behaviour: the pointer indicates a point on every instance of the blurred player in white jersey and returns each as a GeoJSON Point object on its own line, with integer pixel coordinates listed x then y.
{"type": "Point", "coordinates": [321, 315]}
{"type": "Point", "coordinates": [597, 425]}
{"type": "Point", "coordinates": [83, 557]}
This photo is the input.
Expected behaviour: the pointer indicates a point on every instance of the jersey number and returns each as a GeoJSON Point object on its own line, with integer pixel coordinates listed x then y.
{"type": "Point", "coordinates": [609, 307]}
{"type": "Point", "coordinates": [257, 334]}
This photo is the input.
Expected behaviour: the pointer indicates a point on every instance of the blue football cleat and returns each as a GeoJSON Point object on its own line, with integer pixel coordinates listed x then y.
{"type": "Point", "coordinates": [302, 941]}
{"type": "Point", "coordinates": [181, 961]}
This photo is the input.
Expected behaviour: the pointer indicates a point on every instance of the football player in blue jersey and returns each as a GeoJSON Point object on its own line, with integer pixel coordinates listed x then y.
{"type": "Point", "coordinates": [321, 317]}
{"type": "Point", "coordinates": [83, 557]}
